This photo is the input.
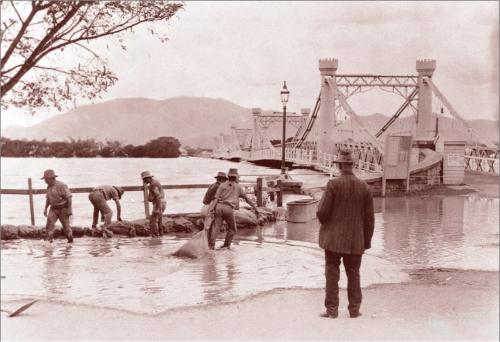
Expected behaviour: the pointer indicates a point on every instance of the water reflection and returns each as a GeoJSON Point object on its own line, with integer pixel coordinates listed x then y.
{"type": "Point", "coordinates": [56, 277]}
{"type": "Point", "coordinates": [422, 230]}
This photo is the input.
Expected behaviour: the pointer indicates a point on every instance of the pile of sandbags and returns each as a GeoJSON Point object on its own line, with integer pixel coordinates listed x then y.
{"type": "Point", "coordinates": [186, 223]}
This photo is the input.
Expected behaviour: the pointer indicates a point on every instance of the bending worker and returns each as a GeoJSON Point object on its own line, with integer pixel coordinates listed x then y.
{"type": "Point", "coordinates": [228, 199]}
{"type": "Point", "coordinates": [157, 197]}
{"type": "Point", "coordinates": [99, 197]}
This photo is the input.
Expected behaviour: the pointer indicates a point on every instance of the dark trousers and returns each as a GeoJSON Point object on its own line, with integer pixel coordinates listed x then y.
{"type": "Point", "coordinates": [155, 220]}
{"type": "Point", "coordinates": [352, 263]}
{"type": "Point", "coordinates": [224, 212]}
{"type": "Point", "coordinates": [52, 217]}
{"type": "Point", "coordinates": [100, 205]}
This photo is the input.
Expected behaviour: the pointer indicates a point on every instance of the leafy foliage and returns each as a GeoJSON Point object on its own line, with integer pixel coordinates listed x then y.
{"type": "Point", "coordinates": [38, 38]}
{"type": "Point", "coordinates": [163, 147]}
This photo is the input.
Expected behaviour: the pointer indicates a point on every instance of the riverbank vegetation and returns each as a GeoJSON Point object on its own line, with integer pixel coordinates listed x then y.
{"type": "Point", "coordinates": [162, 147]}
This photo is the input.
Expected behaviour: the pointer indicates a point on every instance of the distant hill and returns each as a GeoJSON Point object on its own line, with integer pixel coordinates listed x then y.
{"type": "Point", "coordinates": [194, 121]}
{"type": "Point", "coordinates": [448, 128]}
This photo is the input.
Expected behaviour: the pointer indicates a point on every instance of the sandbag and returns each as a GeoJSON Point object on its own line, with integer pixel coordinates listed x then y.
{"type": "Point", "coordinates": [123, 228]}
{"type": "Point", "coordinates": [194, 248]}
{"type": "Point", "coordinates": [245, 218]}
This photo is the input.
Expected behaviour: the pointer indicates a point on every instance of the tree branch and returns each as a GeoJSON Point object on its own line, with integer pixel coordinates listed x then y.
{"type": "Point", "coordinates": [15, 9]}
{"type": "Point", "coordinates": [16, 40]}
{"type": "Point", "coordinates": [33, 59]}
{"type": "Point", "coordinates": [9, 70]}
{"type": "Point", "coordinates": [53, 69]}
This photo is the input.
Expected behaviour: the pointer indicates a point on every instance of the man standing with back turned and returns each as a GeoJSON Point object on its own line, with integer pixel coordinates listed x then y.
{"type": "Point", "coordinates": [228, 199]}
{"type": "Point", "coordinates": [346, 216]}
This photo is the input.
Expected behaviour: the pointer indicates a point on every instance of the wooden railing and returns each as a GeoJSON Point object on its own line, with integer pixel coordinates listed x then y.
{"type": "Point", "coordinates": [30, 192]}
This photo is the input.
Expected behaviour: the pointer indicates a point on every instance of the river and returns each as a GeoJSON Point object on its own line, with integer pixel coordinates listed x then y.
{"type": "Point", "coordinates": [90, 172]}
{"type": "Point", "coordinates": [139, 275]}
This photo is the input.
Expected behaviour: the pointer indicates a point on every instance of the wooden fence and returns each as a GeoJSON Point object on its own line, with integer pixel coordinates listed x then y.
{"type": "Point", "coordinates": [258, 190]}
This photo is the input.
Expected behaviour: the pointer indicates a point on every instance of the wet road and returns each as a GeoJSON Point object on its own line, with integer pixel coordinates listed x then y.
{"type": "Point", "coordinates": [139, 275]}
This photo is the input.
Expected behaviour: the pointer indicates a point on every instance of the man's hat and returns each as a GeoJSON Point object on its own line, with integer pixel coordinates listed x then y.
{"type": "Point", "coordinates": [49, 174]}
{"type": "Point", "coordinates": [344, 157]}
{"type": "Point", "coordinates": [221, 175]}
{"type": "Point", "coordinates": [146, 174]}
{"type": "Point", "coordinates": [233, 173]}
{"type": "Point", "coordinates": [120, 190]}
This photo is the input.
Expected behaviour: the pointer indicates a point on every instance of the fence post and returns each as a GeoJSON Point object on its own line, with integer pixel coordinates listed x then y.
{"type": "Point", "coordinates": [258, 190]}
{"type": "Point", "coordinates": [279, 199]}
{"type": "Point", "coordinates": [30, 195]}
{"type": "Point", "coordinates": [146, 201]}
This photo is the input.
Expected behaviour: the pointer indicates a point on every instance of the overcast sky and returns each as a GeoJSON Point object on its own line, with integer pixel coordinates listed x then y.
{"type": "Point", "coordinates": [242, 52]}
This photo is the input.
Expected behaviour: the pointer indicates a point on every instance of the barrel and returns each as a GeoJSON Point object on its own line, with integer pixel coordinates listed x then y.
{"type": "Point", "coordinates": [302, 210]}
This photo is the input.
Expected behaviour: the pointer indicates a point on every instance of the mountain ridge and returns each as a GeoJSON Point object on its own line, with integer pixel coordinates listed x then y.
{"type": "Point", "coordinates": [195, 121]}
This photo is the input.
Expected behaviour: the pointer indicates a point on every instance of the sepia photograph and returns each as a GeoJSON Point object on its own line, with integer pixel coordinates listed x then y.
{"type": "Point", "coordinates": [249, 170]}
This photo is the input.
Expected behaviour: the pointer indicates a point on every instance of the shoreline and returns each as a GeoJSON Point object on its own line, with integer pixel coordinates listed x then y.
{"type": "Point", "coordinates": [444, 304]}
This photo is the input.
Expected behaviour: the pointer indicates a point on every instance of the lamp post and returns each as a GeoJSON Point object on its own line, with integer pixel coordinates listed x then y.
{"type": "Point", "coordinates": [284, 99]}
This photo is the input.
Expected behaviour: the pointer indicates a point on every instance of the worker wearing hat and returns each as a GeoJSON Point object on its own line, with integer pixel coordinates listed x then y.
{"type": "Point", "coordinates": [228, 199]}
{"type": "Point", "coordinates": [59, 201]}
{"type": "Point", "coordinates": [209, 203]}
{"type": "Point", "coordinates": [347, 220]}
{"type": "Point", "coordinates": [212, 189]}
{"type": "Point", "coordinates": [156, 195]}
{"type": "Point", "coordinates": [99, 197]}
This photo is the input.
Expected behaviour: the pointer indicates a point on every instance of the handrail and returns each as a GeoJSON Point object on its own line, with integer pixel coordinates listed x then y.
{"type": "Point", "coordinates": [89, 189]}
{"type": "Point", "coordinates": [30, 192]}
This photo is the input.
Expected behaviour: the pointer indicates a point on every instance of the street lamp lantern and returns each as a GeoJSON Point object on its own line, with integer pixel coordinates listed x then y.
{"type": "Point", "coordinates": [285, 93]}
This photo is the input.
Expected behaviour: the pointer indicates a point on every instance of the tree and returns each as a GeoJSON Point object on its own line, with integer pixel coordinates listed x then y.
{"type": "Point", "coordinates": [162, 147]}
{"type": "Point", "coordinates": [35, 37]}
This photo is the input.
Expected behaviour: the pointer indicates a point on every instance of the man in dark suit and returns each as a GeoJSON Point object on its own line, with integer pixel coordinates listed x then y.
{"type": "Point", "coordinates": [347, 219]}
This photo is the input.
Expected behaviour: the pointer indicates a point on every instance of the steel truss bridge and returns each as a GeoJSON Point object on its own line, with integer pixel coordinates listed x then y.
{"type": "Point", "coordinates": [323, 126]}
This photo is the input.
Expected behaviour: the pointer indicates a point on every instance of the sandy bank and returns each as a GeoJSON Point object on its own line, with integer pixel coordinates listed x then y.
{"type": "Point", "coordinates": [435, 305]}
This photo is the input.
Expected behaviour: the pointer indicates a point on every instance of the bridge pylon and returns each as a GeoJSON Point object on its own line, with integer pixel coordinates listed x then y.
{"type": "Point", "coordinates": [326, 118]}
{"type": "Point", "coordinates": [424, 128]}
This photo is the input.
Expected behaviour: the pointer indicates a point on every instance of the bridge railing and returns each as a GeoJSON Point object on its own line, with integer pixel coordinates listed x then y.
{"type": "Point", "coordinates": [481, 164]}
{"type": "Point", "coordinates": [367, 160]}
{"type": "Point", "coordinates": [325, 161]}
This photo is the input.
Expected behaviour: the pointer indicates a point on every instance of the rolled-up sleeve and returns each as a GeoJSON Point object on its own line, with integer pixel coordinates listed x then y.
{"type": "Point", "coordinates": [64, 191]}
{"type": "Point", "coordinates": [325, 205]}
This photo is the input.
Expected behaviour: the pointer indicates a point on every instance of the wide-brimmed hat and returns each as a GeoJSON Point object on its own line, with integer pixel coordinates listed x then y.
{"type": "Point", "coordinates": [120, 190]}
{"type": "Point", "coordinates": [49, 174]}
{"type": "Point", "coordinates": [233, 173]}
{"type": "Point", "coordinates": [221, 175]}
{"type": "Point", "coordinates": [345, 157]}
{"type": "Point", "coordinates": [146, 174]}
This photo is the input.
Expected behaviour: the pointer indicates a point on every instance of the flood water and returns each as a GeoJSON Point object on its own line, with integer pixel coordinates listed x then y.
{"type": "Point", "coordinates": [90, 172]}
{"type": "Point", "coordinates": [139, 275]}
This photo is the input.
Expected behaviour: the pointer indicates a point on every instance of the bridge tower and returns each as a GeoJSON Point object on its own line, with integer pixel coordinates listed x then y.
{"type": "Point", "coordinates": [326, 118]}
{"type": "Point", "coordinates": [424, 125]}
{"type": "Point", "coordinates": [256, 112]}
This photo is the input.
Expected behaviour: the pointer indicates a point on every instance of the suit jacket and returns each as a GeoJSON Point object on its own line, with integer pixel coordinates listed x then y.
{"type": "Point", "coordinates": [346, 215]}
